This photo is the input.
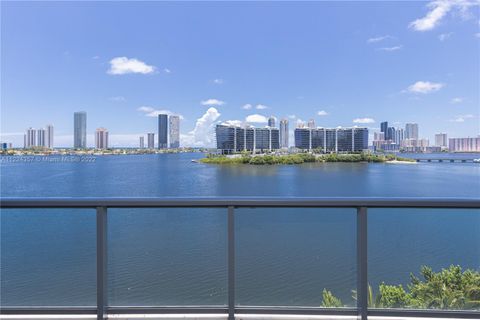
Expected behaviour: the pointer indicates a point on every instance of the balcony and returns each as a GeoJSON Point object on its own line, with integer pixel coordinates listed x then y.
{"type": "Point", "coordinates": [266, 259]}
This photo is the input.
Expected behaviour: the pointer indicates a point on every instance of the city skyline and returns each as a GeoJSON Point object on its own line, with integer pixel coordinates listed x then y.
{"type": "Point", "coordinates": [340, 65]}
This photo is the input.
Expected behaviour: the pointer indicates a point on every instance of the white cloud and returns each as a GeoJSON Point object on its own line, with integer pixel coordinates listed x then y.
{"type": "Point", "coordinates": [117, 99]}
{"type": "Point", "coordinates": [425, 87]}
{"type": "Point", "coordinates": [166, 70]}
{"type": "Point", "coordinates": [379, 38]}
{"type": "Point", "coordinates": [444, 36]}
{"type": "Point", "coordinates": [247, 106]}
{"type": "Point", "coordinates": [256, 118]}
{"type": "Point", "coordinates": [462, 117]}
{"type": "Point", "coordinates": [389, 49]}
{"type": "Point", "coordinates": [363, 120]}
{"type": "Point", "coordinates": [218, 81]}
{"type": "Point", "coordinates": [212, 102]}
{"type": "Point", "coordinates": [237, 123]}
{"type": "Point", "coordinates": [261, 107]}
{"type": "Point", "coordinates": [456, 100]}
{"type": "Point", "coordinates": [152, 112]}
{"type": "Point", "coordinates": [203, 135]}
{"type": "Point", "coordinates": [322, 113]}
{"type": "Point", "coordinates": [438, 9]}
{"type": "Point", "coordinates": [477, 34]}
{"type": "Point", "coordinates": [124, 65]}
{"type": "Point", "coordinates": [292, 116]}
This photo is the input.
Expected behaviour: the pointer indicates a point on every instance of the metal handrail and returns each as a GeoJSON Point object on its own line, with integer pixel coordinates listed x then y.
{"type": "Point", "coordinates": [101, 205]}
{"type": "Point", "coordinates": [350, 202]}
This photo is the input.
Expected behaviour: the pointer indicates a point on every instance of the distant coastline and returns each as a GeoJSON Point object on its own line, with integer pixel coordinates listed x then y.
{"type": "Point", "coordinates": [96, 152]}
{"type": "Point", "coordinates": [299, 158]}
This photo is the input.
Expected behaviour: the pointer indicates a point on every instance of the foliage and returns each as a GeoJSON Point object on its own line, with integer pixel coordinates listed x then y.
{"type": "Point", "coordinates": [447, 289]}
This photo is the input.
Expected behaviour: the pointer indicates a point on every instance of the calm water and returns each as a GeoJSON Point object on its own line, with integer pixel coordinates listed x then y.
{"type": "Point", "coordinates": [178, 256]}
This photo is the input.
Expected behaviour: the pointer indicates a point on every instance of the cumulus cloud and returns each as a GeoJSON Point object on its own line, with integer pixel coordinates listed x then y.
{"type": "Point", "coordinates": [363, 120]}
{"type": "Point", "coordinates": [444, 36]}
{"type": "Point", "coordinates": [425, 87]}
{"type": "Point", "coordinates": [438, 9]}
{"type": "Point", "coordinates": [322, 113]}
{"type": "Point", "coordinates": [203, 134]}
{"type": "Point", "coordinates": [462, 117]}
{"type": "Point", "coordinates": [390, 49]}
{"type": "Point", "coordinates": [261, 107]}
{"type": "Point", "coordinates": [152, 112]}
{"type": "Point", "coordinates": [237, 123]}
{"type": "Point", "coordinates": [247, 106]}
{"type": "Point", "coordinates": [256, 118]}
{"type": "Point", "coordinates": [218, 81]}
{"type": "Point", "coordinates": [456, 100]}
{"type": "Point", "coordinates": [124, 65]}
{"type": "Point", "coordinates": [212, 102]}
{"type": "Point", "coordinates": [379, 38]}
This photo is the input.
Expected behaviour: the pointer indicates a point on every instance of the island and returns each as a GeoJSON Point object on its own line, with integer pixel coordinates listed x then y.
{"type": "Point", "coordinates": [299, 158]}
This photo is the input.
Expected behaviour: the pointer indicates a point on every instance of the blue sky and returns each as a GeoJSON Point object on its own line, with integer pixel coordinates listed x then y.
{"type": "Point", "coordinates": [340, 63]}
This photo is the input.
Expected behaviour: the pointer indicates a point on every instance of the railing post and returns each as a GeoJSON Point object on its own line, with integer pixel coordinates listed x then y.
{"type": "Point", "coordinates": [362, 265]}
{"type": "Point", "coordinates": [101, 263]}
{"type": "Point", "coordinates": [231, 262]}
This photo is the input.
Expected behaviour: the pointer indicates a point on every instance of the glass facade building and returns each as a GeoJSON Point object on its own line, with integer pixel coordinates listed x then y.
{"type": "Point", "coordinates": [174, 128]}
{"type": "Point", "coordinates": [162, 131]}
{"type": "Point", "coordinates": [332, 140]}
{"type": "Point", "coordinates": [80, 130]}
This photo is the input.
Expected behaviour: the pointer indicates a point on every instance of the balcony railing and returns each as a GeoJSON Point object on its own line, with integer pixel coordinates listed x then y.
{"type": "Point", "coordinates": [232, 309]}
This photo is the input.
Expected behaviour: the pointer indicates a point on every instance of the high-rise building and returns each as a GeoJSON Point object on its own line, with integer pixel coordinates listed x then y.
{"type": "Point", "coordinates": [41, 137]}
{"type": "Point", "coordinates": [30, 138]}
{"type": "Point", "coordinates": [142, 142]}
{"type": "Point", "coordinates": [232, 138]}
{"type": "Point", "coordinates": [332, 139]}
{"type": "Point", "coordinates": [441, 140]}
{"type": "Point", "coordinates": [411, 131]}
{"type": "Point", "coordinates": [390, 134]}
{"type": "Point", "coordinates": [384, 129]}
{"type": "Point", "coordinates": [284, 133]}
{"type": "Point", "coordinates": [151, 140]}
{"type": "Point", "coordinates": [174, 128]}
{"type": "Point", "coordinates": [49, 136]}
{"type": "Point", "coordinates": [311, 124]}
{"type": "Point", "coordinates": [464, 144]}
{"type": "Point", "coordinates": [379, 136]}
{"type": "Point", "coordinates": [101, 138]}
{"type": "Point", "coordinates": [271, 122]}
{"type": "Point", "coordinates": [399, 135]}
{"type": "Point", "coordinates": [162, 131]}
{"type": "Point", "coordinates": [80, 130]}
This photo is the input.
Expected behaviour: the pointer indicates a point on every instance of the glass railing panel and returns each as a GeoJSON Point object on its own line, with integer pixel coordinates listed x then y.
{"type": "Point", "coordinates": [289, 256]}
{"type": "Point", "coordinates": [424, 258]}
{"type": "Point", "coordinates": [48, 257]}
{"type": "Point", "coordinates": [167, 256]}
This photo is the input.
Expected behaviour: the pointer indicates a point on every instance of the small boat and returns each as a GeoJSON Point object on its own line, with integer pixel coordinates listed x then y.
{"type": "Point", "coordinates": [194, 161]}
{"type": "Point", "coordinates": [476, 160]}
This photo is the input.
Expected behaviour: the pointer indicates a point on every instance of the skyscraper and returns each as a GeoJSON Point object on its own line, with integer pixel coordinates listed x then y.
{"type": "Point", "coordinates": [411, 131]}
{"type": "Point", "coordinates": [162, 131]}
{"type": "Point", "coordinates": [151, 140]}
{"type": "Point", "coordinates": [80, 130]}
{"type": "Point", "coordinates": [384, 129]}
{"type": "Point", "coordinates": [441, 140]}
{"type": "Point", "coordinates": [311, 124]}
{"type": "Point", "coordinates": [142, 142]}
{"type": "Point", "coordinates": [284, 133]}
{"type": "Point", "coordinates": [271, 121]}
{"type": "Point", "coordinates": [49, 137]}
{"type": "Point", "coordinates": [41, 137]}
{"type": "Point", "coordinates": [30, 138]}
{"type": "Point", "coordinates": [399, 135]}
{"type": "Point", "coordinates": [174, 128]}
{"type": "Point", "coordinates": [101, 138]}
